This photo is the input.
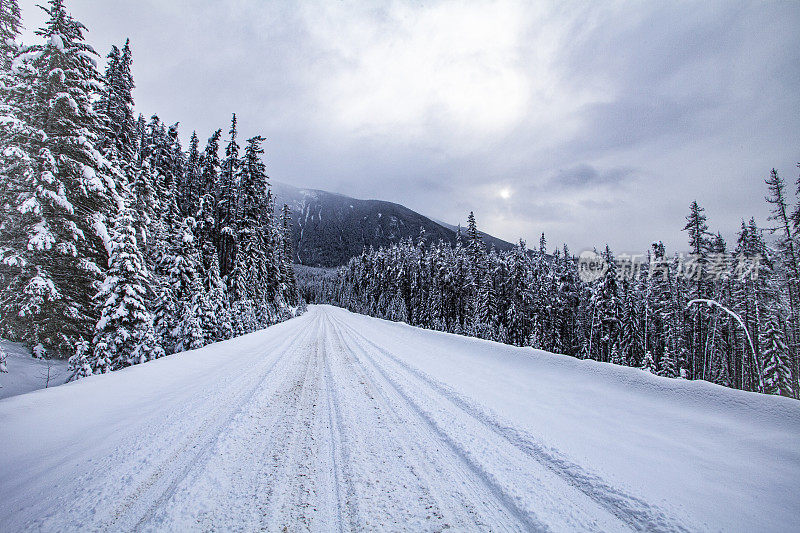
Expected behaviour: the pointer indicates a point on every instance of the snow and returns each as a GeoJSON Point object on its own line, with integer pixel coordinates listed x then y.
{"type": "Point", "coordinates": [57, 42]}
{"type": "Point", "coordinates": [25, 373]}
{"type": "Point", "coordinates": [42, 238]}
{"type": "Point", "coordinates": [101, 230]}
{"type": "Point", "coordinates": [92, 180]}
{"type": "Point", "coordinates": [338, 421]}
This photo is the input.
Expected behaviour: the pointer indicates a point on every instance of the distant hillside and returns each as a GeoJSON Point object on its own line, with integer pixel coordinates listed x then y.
{"type": "Point", "coordinates": [490, 241]}
{"type": "Point", "coordinates": [328, 228]}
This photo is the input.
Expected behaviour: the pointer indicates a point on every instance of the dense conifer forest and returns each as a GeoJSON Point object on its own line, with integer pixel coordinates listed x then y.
{"type": "Point", "coordinates": [724, 315]}
{"type": "Point", "coordinates": [117, 245]}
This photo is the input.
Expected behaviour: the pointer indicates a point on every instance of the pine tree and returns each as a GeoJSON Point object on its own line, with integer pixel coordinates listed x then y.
{"type": "Point", "coordinates": [786, 229]}
{"type": "Point", "coordinates": [80, 364]}
{"type": "Point", "coordinates": [648, 365]}
{"type": "Point", "coordinates": [124, 334]}
{"type": "Point", "coordinates": [608, 308]}
{"type": "Point", "coordinates": [700, 245]}
{"type": "Point", "coordinates": [191, 186]}
{"type": "Point", "coordinates": [17, 173]}
{"type": "Point", "coordinates": [207, 208]}
{"type": "Point", "coordinates": [287, 255]}
{"type": "Point", "coordinates": [178, 282]}
{"type": "Point", "coordinates": [249, 278]}
{"type": "Point", "coordinates": [118, 141]}
{"type": "Point", "coordinates": [70, 195]}
{"type": "Point", "coordinates": [227, 204]}
{"type": "Point", "coordinates": [631, 339]}
{"type": "Point", "coordinates": [669, 366]}
{"type": "Point", "coordinates": [10, 28]}
{"type": "Point", "coordinates": [475, 244]}
{"type": "Point", "coordinates": [776, 372]}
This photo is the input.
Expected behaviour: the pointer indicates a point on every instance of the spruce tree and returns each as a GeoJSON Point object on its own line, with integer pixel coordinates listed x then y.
{"type": "Point", "coordinates": [787, 247]}
{"type": "Point", "coordinates": [70, 195]}
{"type": "Point", "coordinates": [648, 365]}
{"type": "Point", "coordinates": [776, 372]}
{"type": "Point", "coordinates": [608, 308]}
{"type": "Point", "coordinates": [208, 194]}
{"type": "Point", "coordinates": [287, 255]}
{"type": "Point", "coordinates": [178, 282]}
{"type": "Point", "coordinates": [227, 204]}
{"type": "Point", "coordinates": [249, 277]}
{"type": "Point", "coordinates": [124, 334]}
{"type": "Point", "coordinates": [119, 139]}
{"type": "Point", "coordinates": [189, 195]}
{"type": "Point", "coordinates": [10, 28]}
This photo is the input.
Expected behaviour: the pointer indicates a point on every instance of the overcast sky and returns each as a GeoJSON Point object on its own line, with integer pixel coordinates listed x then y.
{"type": "Point", "coordinates": [594, 122]}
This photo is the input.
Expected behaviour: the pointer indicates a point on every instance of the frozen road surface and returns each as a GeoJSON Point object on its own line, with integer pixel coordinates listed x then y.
{"type": "Point", "coordinates": [338, 422]}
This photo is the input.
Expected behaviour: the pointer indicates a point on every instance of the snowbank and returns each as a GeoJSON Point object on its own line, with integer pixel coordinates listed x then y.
{"type": "Point", "coordinates": [26, 373]}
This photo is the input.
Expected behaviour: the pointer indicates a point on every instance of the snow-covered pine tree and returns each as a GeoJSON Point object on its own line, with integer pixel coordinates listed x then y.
{"type": "Point", "coordinates": [210, 166]}
{"type": "Point", "coordinates": [16, 165]}
{"type": "Point", "coordinates": [178, 284]}
{"type": "Point", "coordinates": [699, 286]}
{"type": "Point", "coordinates": [786, 227]}
{"type": "Point", "coordinates": [631, 341]}
{"type": "Point", "coordinates": [118, 141]}
{"type": "Point", "coordinates": [475, 246]}
{"type": "Point", "coordinates": [10, 28]}
{"type": "Point", "coordinates": [249, 278]}
{"type": "Point", "coordinates": [190, 185]}
{"type": "Point", "coordinates": [287, 256]}
{"type": "Point", "coordinates": [71, 194]}
{"type": "Point", "coordinates": [608, 308]}
{"type": "Point", "coordinates": [80, 363]}
{"type": "Point", "coordinates": [124, 334]}
{"type": "Point", "coordinates": [669, 365]}
{"type": "Point", "coordinates": [206, 215]}
{"type": "Point", "coordinates": [228, 205]}
{"type": "Point", "coordinates": [648, 365]}
{"type": "Point", "coordinates": [776, 373]}
{"type": "Point", "coordinates": [520, 296]}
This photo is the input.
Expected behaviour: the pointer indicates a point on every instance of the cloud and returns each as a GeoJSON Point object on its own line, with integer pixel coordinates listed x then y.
{"type": "Point", "coordinates": [407, 68]}
{"type": "Point", "coordinates": [588, 176]}
{"type": "Point", "coordinates": [602, 120]}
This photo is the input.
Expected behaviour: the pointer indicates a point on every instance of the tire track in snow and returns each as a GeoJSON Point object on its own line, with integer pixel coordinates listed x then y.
{"type": "Point", "coordinates": [228, 485]}
{"type": "Point", "coordinates": [635, 512]}
{"type": "Point", "coordinates": [340, 456]}
{"type": "Point", "coordinates": [140, 504]}
{"type": "Point", "coordinates": [390, 493]}
{"type": "Point", "coordinates": [297, 506]}
{"type": "Point", "coordinates": [526, 518]}
{"type": "Point", "coordinates": [124, 457]}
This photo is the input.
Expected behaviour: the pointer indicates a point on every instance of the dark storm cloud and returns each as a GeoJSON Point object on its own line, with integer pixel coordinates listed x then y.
{"type": "Point", "coordinates": [593, 122]}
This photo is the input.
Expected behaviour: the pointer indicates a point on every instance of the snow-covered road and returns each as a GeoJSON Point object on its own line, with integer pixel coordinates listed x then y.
{"type": "Point", "coordinates": [335, 421]}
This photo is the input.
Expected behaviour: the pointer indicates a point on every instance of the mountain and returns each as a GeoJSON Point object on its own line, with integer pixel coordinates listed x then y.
{"type": "Point", "coordinates": [328, 228]}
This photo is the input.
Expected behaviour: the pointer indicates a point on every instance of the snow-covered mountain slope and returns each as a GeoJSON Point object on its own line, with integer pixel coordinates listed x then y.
{"type": "Point", "coordinates": [328, 228]}
{"type": "Point", "coordinates": [335, 421]}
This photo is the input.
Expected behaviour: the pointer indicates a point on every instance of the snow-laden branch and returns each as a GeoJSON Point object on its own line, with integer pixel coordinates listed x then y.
{"type": "Point", "coordinates": [741, 323]}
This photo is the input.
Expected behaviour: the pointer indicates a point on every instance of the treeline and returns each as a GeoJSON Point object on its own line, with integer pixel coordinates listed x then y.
{"type": "Point", "coordinates": [724, 316]}
{"type": "Point", "coordinates": [116, 245]}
